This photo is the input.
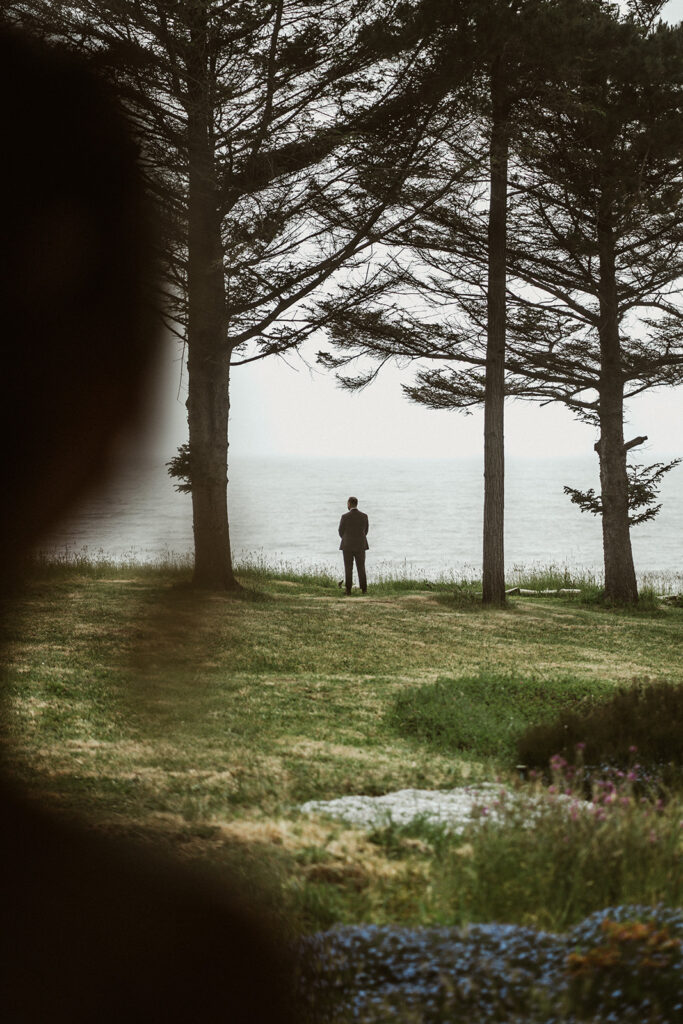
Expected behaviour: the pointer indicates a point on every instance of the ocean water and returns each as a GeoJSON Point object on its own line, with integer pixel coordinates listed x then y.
{"type": "Point", "coordinates": [425, 515]}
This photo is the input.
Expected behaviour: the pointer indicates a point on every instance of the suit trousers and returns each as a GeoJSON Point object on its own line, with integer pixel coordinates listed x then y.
{"type": "Point", "coordinates": [359, 557]}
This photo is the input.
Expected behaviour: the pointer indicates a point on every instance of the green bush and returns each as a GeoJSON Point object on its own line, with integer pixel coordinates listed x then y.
{"type": "Point", "coordinates": [632, 963]}
{"type": "Point", "coordinates": [625, 964]}
{"type": "Point", "coordinates": [643, 722]}
{"type": "Point", "coordinates": [549, 859]}
{"type": "Point", "coordinates": [622, 964]}
{"type": "Point", "coordinates": [486, 713]}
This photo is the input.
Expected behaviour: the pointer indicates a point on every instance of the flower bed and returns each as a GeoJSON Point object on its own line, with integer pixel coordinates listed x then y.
{"type": "Point", "coordinates": [622, 964]}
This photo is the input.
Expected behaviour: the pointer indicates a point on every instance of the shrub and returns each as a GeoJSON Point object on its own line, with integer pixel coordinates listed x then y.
{"type": "Point", "coordinates": [627, 959]}
{"type": "Point", "coordinates": [372, 975]}
{"type": "Point", "coordinates": [549, 859]}
{"type": "Point", "coordinates": [627, 964]}
{"type": "Point", "coordinates": [645, 719]}
{"type": "Point", "coordinates": [484, 713]}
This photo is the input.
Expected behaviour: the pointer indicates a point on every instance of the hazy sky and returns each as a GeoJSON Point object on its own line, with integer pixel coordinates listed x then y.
{"type": "Point", "coordinates": [293, 408]}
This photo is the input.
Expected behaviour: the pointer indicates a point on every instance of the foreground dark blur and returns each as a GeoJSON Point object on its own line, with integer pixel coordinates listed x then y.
{"type": "Point", "coordinates": [91, 929]}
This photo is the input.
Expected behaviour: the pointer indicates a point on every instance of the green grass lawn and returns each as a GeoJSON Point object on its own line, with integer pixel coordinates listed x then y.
{"type": "Point", "coordinates": [201, 721]}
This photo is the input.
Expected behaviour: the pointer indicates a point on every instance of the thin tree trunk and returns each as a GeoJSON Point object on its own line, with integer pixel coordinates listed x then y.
{"type": "Point", "coordinates": [620, 576]}
{"type": "Point", "coordinates": [208, 408]}
{"type": "Point", "coordinates": [494, 396]}
{"type": "Point", "coordinates": [208, 352]}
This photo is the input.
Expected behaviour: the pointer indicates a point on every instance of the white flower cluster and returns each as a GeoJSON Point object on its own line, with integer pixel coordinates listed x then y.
{"type": "Point", "coordinates": [452, 807]}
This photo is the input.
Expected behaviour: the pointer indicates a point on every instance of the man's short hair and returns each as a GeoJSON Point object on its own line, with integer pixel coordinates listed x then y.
{"type": "Point", "coordinates": [354, 502]}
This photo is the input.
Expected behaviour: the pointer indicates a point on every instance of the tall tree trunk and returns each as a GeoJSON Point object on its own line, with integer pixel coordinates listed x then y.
{"type": "Point", "coordinates": [494, 396]}
{"type": "Point", "coordinates": [620, 576]}
{"type": "Point", "coordinates": [208, 352]}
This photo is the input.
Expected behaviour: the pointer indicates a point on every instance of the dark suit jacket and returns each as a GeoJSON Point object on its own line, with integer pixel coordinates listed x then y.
{"type": "Point", "coordinates": [353, 530]}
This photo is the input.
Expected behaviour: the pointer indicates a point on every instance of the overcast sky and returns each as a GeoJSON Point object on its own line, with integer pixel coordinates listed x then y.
{"type": "Point", "coordinates": [293, 408]}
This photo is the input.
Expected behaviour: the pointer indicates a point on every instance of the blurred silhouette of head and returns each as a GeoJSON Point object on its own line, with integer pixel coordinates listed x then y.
{"type": "Point", "coordinates": [352, 503]}
{"type": "Point", "coordinates": [75, 284]}
{"type": "Point", "coordinates": [90, 929]}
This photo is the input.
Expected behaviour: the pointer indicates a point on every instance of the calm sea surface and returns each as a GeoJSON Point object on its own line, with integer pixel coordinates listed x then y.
{"type": "Point", "coordinates": [425, 514]}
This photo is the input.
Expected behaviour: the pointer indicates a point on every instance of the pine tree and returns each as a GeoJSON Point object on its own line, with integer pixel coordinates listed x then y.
{"type": "Point", "coordinates": [239, 107]}
{"type": "Point", "coordinates": [598, 253]}
{"type": "Point", "coordinates": [477, 64]}
{"type": "Point", "coordinates": [607, 161]}
{"type": "Point", "coordinates": [594, 236]}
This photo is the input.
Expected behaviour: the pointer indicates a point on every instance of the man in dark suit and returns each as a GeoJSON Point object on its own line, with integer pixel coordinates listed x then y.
{"type": "Point", "coordinates": [353, 530]}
